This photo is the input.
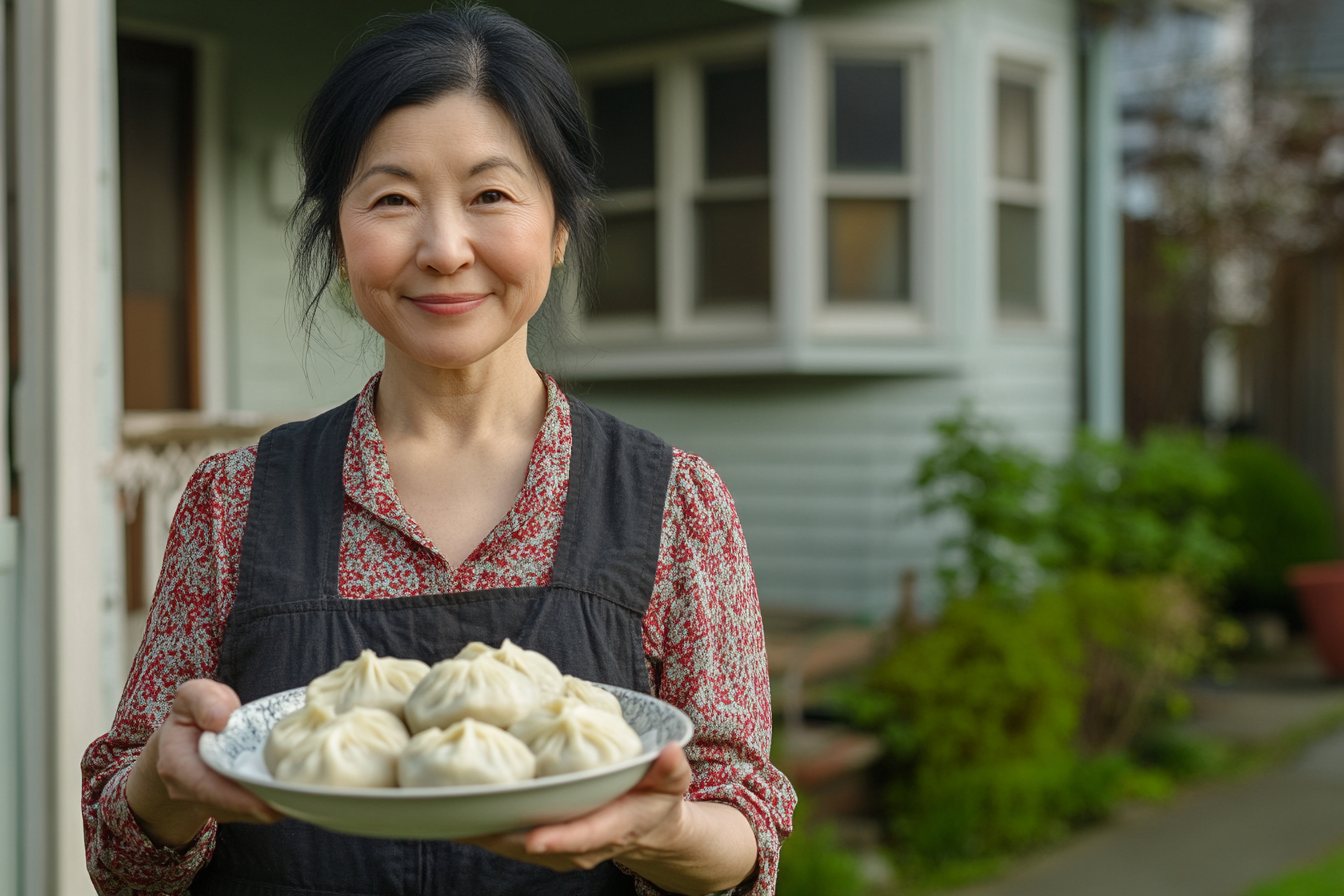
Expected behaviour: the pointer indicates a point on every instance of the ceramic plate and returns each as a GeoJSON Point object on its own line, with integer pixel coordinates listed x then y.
{"type": "Point", "coordinates": [435, 813]}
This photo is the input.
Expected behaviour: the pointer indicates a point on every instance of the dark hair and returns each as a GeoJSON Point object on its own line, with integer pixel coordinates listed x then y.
{"type": "Point", "coordinates": [475, 49]}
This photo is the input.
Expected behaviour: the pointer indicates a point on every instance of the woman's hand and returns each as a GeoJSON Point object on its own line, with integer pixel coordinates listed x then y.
{"type": "Point", "coordinates": [685, 847]}
{"type": "Point", "coordinates": [171, 792]}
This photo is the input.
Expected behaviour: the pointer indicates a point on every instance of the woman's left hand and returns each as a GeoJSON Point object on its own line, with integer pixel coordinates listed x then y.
{"type": "Point", "coordinates": [644, 823]}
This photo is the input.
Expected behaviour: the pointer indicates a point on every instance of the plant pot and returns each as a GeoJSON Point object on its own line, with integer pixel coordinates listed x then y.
{"type": "Point", "coordinates": [1320, 592]}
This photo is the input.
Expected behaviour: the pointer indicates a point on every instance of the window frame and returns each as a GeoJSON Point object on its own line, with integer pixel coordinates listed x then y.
{"type": "Point", "coordinates": [868, 320]}
{"type": "Point", "coordinates": [678, 69]}
{"type": "Point", "coordinates": [1039, 70]}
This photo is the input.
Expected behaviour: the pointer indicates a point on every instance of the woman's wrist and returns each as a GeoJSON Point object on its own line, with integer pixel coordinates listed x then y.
{"type": "Point", "coordinates": [164, 821]}
{"type": "Point", "coordinates": [700, 847]}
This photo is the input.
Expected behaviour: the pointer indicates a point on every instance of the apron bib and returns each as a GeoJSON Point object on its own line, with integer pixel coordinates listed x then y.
{"type": "Point", "coordinates": [289, 624]}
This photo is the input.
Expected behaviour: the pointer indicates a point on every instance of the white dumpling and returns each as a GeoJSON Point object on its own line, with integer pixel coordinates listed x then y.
{"type": "Point", "coordinates": [590, 694]}
{"type": "Point", "coordinates": [568, 736]}
{"type": "Point", "coordinates": [531, 663]}
{"type": "Point", "coordinates": [358, 748]}
{"type": "Point", "coordinates": [468, 752]}
{"type": "Point", "coordinates": [473, 650]}
{"type": "Point", "coordinates": [378, 682]}
{"type": "Point", "coordinates": [534, 665]}
{"type": "Point", "coordinates": [482, 688]}
{"type": "Point", "coordinates": [287, 733]}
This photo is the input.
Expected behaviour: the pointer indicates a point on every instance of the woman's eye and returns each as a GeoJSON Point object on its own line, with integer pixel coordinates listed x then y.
{"type": "Point", "coordinates": [394, 199]}
{"type": "Point", "coordinates": [490, 197]}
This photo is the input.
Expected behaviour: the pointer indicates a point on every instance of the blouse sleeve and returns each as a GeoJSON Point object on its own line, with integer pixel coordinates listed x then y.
{"type": "Point", "coordinates": [186, 624]}
{"type": "Point", "coordinates": [703, 634]}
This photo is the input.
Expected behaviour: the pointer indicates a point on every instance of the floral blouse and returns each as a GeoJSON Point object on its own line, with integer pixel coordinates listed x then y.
{"type": "Point", "coordinates": [702, 628]}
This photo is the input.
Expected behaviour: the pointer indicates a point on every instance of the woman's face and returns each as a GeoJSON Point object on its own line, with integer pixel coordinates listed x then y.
{"type": "Point", "coordinates": [448, 231]}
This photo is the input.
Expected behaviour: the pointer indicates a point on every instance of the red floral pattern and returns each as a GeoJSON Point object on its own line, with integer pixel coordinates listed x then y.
{"type": "Point", "coordinates": [702, 631]}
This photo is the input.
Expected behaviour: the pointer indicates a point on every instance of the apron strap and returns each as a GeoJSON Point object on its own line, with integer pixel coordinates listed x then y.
{"type": "Point", "coordinates": [292, 540]}
{"type": "Point", "coordinates": [613, 523]}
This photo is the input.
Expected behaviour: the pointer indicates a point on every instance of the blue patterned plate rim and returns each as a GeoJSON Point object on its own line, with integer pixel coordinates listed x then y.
{"type": "Point", "coordinates": [209, 746]}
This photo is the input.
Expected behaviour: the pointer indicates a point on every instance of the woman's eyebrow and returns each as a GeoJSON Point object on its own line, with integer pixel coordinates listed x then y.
{"type": "Point", "coordinates": [393, 170]}
{"type": "Point", "coordinates": [495, 162]}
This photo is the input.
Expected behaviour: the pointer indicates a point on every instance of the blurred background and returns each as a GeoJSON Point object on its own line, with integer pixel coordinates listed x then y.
{"type": "Point", "coordinates": [1013, 326]}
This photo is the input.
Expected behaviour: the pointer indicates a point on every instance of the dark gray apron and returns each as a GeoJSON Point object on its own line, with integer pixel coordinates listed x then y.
{"type": "Point", "coordinates": [289, 625]}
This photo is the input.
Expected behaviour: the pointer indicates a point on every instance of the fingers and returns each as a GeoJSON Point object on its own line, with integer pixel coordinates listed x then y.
{"type": "Point", "coordinates": [205, 704]}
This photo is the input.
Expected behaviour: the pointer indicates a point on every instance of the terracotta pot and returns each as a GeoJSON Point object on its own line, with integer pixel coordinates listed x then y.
{"type": "Point", "coordinates": [1320, 591]}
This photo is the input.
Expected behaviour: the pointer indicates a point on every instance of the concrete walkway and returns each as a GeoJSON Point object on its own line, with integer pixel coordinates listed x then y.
{"type": "Point", "coordinates": [1217, 840]}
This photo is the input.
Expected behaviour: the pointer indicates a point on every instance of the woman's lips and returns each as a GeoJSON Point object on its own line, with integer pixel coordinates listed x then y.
{"type": "Point", "coordinates": [448, 305]}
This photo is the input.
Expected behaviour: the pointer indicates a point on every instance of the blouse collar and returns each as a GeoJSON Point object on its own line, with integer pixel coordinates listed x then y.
{"type": "Point", "coordinates": [368, 478]}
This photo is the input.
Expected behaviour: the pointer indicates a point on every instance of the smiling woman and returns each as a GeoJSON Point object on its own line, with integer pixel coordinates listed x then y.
{"type": "Point", "coordinates": [448, 177]}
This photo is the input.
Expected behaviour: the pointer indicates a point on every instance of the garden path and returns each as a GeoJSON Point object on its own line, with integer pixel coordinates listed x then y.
{"type": "Point", "coordinates": [1219, 839]}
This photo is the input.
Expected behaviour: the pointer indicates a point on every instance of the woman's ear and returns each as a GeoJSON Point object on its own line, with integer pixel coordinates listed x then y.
{"type": "Point", "coordinates": [561, 240]}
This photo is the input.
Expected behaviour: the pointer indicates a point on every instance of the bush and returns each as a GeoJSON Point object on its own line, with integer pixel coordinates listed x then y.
{"type": "Point", "coordinates": [812, 863]}
{"type": "Point", "coordinates": [1281, 518]}
{"type": "Point", "coordinates": [1073, 604]}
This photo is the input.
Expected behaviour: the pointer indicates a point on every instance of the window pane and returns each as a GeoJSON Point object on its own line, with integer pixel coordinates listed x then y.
{"type": "Point", "coordinates": [623, 127]}
{"type": "Point", "coordinates": [1016, 123]}
{"type": "Point", "coordinates": [1019, 261]}
{"type": "Point", "coordinates": [628, 283]}
{"type": "Point", "coordinates": [734, 253]}
{"type": "Point", "coordinates": [869, 123]}
{"type": "Point", "coordinates": [737, 121]}
{"type": "Point", "coordinates": [869, 250]}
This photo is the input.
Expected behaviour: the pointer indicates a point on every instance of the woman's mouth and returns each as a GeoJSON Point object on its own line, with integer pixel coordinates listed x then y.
{"type": "Point", "coordinates": [447, 305]}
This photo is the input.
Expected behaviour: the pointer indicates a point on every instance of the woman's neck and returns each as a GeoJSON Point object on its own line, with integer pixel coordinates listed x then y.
{"type": "Point", "coordinates": [498, 395]}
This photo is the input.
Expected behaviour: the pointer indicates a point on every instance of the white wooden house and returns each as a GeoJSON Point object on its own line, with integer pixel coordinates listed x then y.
{"type": "Point", "coordinates": [829, 224]}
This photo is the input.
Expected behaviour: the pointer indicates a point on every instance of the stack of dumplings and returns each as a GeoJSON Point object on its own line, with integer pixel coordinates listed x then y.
{"type": "Point", "coordinates": [486, 716]}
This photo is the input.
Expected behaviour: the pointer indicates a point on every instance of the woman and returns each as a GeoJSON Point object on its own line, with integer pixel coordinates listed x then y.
{"type": "Point", "coordinates": [460, 496]}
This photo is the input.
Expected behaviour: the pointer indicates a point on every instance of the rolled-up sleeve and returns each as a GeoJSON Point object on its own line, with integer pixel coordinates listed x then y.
{"type": "Point", "coordinates": [703, 637]}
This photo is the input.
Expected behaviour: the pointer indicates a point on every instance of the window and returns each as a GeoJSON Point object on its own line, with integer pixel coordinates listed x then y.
{"type": "Point", "coordinates": [733, 203]}
{"type": "Point", "coordinates": [1018, 196]}
{"type": "Point", "coordinates": [623, 115]}
{"type": "Point", "coordinates": [869, 183]}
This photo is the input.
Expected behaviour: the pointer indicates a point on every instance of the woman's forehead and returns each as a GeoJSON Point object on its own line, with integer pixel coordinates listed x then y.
{"type": "Point", "coordinates": [458, 130]}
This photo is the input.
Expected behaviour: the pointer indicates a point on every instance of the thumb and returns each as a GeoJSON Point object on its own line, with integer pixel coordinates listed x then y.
{"type": "Point", "coordinates": [205, 704]}
{"type": "Point", "coordinates": [670, 773]}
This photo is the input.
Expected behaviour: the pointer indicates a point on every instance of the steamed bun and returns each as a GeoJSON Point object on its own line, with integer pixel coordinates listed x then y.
{"type": "Point", "coordinates": [591, 695]}
{"type": "Point", "coordinates": [482, 688]}
{"type": "Point", "coordinates": [568, 736]}
{"type": "Point", "coordinates": [290, 731]}
{"type": "Point", "coordinates": [378, 682]}
{"type": "Point", "coordinates": [358, 748]}
{"type": "Point", "coordinates": [468, 752]}
{"type": "Point", "coordinates": [542, 672]}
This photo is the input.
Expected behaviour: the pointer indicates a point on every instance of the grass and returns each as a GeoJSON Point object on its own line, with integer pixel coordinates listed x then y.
{"type": "Point", "coordinates": [1325, 878]}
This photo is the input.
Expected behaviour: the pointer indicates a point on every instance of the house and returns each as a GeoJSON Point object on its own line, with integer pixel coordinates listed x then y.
{"type": "Point", "coordinates": [828, 226]}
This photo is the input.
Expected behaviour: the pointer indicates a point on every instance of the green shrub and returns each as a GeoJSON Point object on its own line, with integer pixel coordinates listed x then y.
{"type": "Point", "coordinates": [1281, 518]}
{"type": "Point", "coordinates": [1073, 603]}
{"type": "Point", "coordinates": [1153, 510]}
{"type": "Point", "coordinates": [812, 863]}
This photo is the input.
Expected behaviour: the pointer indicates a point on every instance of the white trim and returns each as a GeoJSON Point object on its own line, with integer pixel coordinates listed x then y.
{"type": "Point", "coordinates": [917, 48]}
{"type": "Point", "coordinates": [1043, 66]}
{"type": "Point", "coordinates": [70, 377]}
{"type": "Point", "coordinates": [211, 249]}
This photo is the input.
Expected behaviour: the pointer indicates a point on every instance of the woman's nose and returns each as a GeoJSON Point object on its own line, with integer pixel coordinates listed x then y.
{"type": "Point", "coordinates": [445, 244]}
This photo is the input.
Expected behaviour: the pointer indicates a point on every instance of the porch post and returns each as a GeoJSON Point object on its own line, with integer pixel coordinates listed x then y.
{"type": "Point", "coordinates": [68, 408]}
{"type": "Point", "coordinates": [1103, 252]}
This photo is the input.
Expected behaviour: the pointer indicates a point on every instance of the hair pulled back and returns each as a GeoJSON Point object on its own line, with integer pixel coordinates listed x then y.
{"type": "Point", "coordinates": [474, 49]}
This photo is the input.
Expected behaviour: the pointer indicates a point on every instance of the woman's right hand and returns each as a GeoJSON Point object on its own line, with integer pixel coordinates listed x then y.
{"type": "Point", "coordinates": [171, 792]}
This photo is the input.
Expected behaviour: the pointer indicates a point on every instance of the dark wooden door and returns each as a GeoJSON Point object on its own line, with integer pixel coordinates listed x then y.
{"type": "Point", "coordinates": [156, 93]}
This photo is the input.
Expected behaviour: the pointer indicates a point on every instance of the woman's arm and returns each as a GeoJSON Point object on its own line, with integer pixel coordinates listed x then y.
{"type": "Point", "coordinates": [193, 598]}
{"type": "Point", "coordinates": [678, 845]}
